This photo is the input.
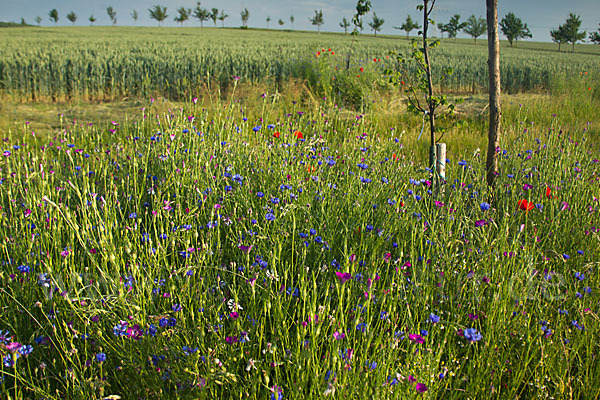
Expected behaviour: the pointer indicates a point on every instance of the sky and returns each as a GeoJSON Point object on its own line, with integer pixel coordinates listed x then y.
{"type": "Point", "coordinates": [540, 15]}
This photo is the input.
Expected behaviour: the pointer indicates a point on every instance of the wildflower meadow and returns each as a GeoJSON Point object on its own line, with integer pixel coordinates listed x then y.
{"type": "Point", "coordinates": [235, 248]}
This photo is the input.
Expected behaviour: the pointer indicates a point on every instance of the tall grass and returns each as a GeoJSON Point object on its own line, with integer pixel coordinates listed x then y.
{"type": "Point", "coordinates": [207, 253]}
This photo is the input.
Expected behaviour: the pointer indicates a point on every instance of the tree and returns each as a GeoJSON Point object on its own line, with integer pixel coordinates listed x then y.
{"type": "Point", "coordinates": [513, 28]}
{"type": "Point", "coordinates": [281, 22]}
{"type": "Point", "coordinates": [184, 15]}
{"type": "Point", "coordinates": [134, 15]}
{"type": "Point", "coordinates": [408, 26]}
{"type": "Point", "coordinates": [494, 92]}
{"type": "Point", "coordinates": [453, 26]}
{"type": "Point", "coordinates": [245, 15]}
{"type": "Point", "coordinates": [376, 23]}
{"type": "Point", "coordinates": [345, 24]}
{"type": "Point", "coordinates": [268, 20]}
{"type": "Point", "coordinates": [38, 19]}
{"type": "Point", "coordinates": [158, 13]}
{"type": "Point", "coordinates": [53, 14]}
{"type": "Point", "coordinates": [475, 27]}
{"type": "Point", "coordinates": [594, 36]}
{"type": "Point", "coordinates": [23, 22]}
{"type": "Point", "coordinates": [571, 30]}
{"type": "Point", "coordinates": [72, 17]}
{"type": "Point", "coordinates": [558, 36]}
{"type": "Point", "coordinates": [292, 21]}
{"type": "Point", "coordinates": [112, 14]}
{"type": "Point", "coordinates": [201, 13]}
{"type": "Point", "coordinates": [222, 17]}
{"type": "Point", "coordinates": [214, 15]}
{"type": "Point", "coordinates": [92, 19]}
{"type": "Point", "coordinates": [317, 19]}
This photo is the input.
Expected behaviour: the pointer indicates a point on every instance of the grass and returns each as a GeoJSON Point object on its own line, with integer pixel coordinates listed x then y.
{"type": "Point", "coordinates": [263, 242]}
{"type": "Point", "coordinates": [204, 257]}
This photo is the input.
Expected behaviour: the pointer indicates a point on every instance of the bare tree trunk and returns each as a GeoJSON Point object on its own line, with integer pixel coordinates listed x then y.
{"type": "Point", "coordinates": [494, 89]}
{"type": "Point", "coordinates": [429, 82]}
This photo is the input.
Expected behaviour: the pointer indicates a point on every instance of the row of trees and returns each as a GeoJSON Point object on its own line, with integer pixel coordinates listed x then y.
{"type": "Point", "coordinates": [511, 26]}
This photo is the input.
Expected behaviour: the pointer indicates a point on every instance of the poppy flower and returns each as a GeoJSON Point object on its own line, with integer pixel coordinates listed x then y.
{"type": "Point", "coordinates": [361, 69]}
{"type": "Point", "coordinates": [526, 205]}
{"type": "Point", "coordinates": [276, 134]}
{"type": "Point", "coordinates": [549, 193]}
{"type": "Point", "coordinates": [298, 135]}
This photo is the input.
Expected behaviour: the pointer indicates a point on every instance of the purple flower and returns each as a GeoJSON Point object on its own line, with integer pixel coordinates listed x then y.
{"type": "Point", "coordinates": [434, 318]}
{"type": "Point", "coordinates": [484, 206]}
{"type": "Point", "coordinates": [416, 338]}
{"type": "Point", "coordinates": [480, 223]}
{"type": "Point", "coordinates": [101, 357]}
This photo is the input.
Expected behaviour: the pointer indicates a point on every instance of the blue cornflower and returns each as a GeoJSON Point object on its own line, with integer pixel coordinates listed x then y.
{"type": "Point", "coordinates": [434, 318]}
{"type": "Point", "coordinates": [361, 327]}
{"type": "Point", "coordinates": [26, 349]}
{"type": "Point", "coordinates": [133, 215]}
{"type": "Point", "coordinates": [101, 357]}
{"type": "Point", "coordinates": [579, 276]}
{"type": "Point", "coordinates": [270, 217]}
{"type": "Point", "coordinates": [484, 206]}
{"type": "Point", "coordinates": [176, 307]}
{"type": "Point", "coordinates": [24, 269]}
{"type": "Point", "coordinates": [472, 335]}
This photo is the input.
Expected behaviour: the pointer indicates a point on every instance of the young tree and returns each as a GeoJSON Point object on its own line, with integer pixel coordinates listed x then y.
{"type": "Point", "coordinates": [453, 26]}
{"type": "Point", "coordinates": [571, 30]}
{"type": "Point", "coordinates": [594, 36]}
{"type": "Point", "coordinates": [72, 17]}
{"type": "Point", "coordinates": [158, 13]}
{"type": "Point", "coordinates": [201, 13]}
{"type": "Point", "coordinates": [345, 24]}
{"type": "Point", "coordinates": [92, 19]}
{"type": "Point", "coordinates": [281, 22]}
{"type": "Point", "coordinates": [376, 23]}
{"type": "Point", "coordinates": [245, 15]}
{"type": "Point", "coordinates": [268, 20]}
{"type": "Point", "coordinates": [494, 92]}
{"type": "Point", "coordinates": [134, 15]}
{"type": "Point", "coordinates": [317, 19]}
{"type": "Point", "coordinates": [184, 15]}
{"type": "Point", "coordinates": [214, 15]}
{"type": "Point", "coordinates": [558, 36]}
{"type": "Point", "coordinates": [292, 21]}
{"type": "Point", "coordinates": [408, 25]}
{"type": "Point", "coordinates": [38, 20]}
{"type": "Point", "coordinates": [53, 14]}
{"type": "Point", "coordinates": [112, 14]}
{"type": "Point", "coordinates": [475, 27]}
{"type": "Point", "coordinates": [513, 28]}
{"type": "Point", "coordinates": [222, 17]}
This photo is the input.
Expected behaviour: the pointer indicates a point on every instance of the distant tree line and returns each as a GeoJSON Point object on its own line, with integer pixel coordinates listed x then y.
{"type": "Point", "coordinates": [513, 28]}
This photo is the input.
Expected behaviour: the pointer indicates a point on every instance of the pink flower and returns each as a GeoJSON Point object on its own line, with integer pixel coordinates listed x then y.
{"type": "Point", "coordinates": [343, 276]}
{"type": "Point", "coordinates": [13, 346]}
{"type": "Point", "coordinates": [234, 315]}
{"type": "Point", "coordinates": [338, 335]}
{"type": "Point", "coordinates": [416, 338]}
{"type": "Point", "coordinates": [421, 387]}
{"type": "Point", "coordinates": [411, 378]}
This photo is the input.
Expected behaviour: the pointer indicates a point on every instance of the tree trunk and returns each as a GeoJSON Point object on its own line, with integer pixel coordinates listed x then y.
{"type": "Point", "coordinates": [494, 89]}
{"type": "Point", "coordinates": [430, 105]}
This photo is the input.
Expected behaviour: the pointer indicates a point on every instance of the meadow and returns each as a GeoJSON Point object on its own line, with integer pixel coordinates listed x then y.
{"type": "Point", "coordinates": [256, 240]}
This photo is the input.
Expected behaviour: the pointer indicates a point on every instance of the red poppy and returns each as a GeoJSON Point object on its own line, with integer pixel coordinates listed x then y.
{"type": "Point", "coordinates": [298, 135]}
{"type": "Point", "coordinates": [374, 60]}
{"type": "Point", "coordinates": [276, 134]}
{"type": "Point", "coordinates": [549, 193]}
{"type": "Point", "coordinates": [329, 50]}
{"type": "Point", "coordinates": [361, 69]}
{"type": "Point", "coordinates": [526, 205]}
{"type": "Point", "coordinates": [333, 52]}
